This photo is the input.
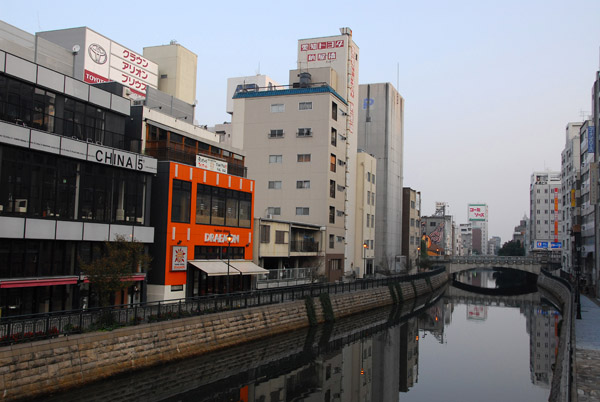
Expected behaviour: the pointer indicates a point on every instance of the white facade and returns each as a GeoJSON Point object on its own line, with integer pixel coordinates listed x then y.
{"type": "Point", "coordinates": [545, 203]}
{"type": "Point", "coordinates": [477, 214]}
{"type": "Point", "coordinates": [366, 196]}
{"type": "Point", "coordinates": [570, 174]}
{"type": "Point", "coordinates": [381, 133]}
{"type": "Point", "coordinates": [249, 83]}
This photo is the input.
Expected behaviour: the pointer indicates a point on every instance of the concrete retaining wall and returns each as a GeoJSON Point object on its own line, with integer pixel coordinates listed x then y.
{"type": "Point", "coordinates": [37, 368]}
{"type": "Point", "coordinates": [560, 387]}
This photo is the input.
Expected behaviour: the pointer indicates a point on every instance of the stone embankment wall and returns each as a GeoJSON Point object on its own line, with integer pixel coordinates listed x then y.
{"type": "Point", "coordinates": [37, 368]}
{"type": "Point", "coordinates": [560, 387]}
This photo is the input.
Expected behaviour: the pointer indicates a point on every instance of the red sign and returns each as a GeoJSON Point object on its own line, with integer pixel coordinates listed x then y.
{"type": "Point", "coordinates": [93, 78]}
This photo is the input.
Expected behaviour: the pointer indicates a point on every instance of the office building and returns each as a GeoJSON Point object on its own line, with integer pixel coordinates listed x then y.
{"type": "Point", "coordinates": [381, 133]}
{"type": "Point", "coordinates": [477, 215]}
{"type": "Point", "coordinates": [411, 227]}
{"type": "Point", "coordinates": [545, 203]}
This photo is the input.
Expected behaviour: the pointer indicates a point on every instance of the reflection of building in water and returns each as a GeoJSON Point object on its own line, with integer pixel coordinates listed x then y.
{"type": "Point", "coordinates": [386, 365]}
{"type": "Point", "coordinates": [357, 371]}
{"type": "Point", "coordinates": [432, 321]}
{"type": "Point", "coordinates": [483, 278]}
{"type": "Point", "coordinates": [542, 326]}
{"type": "Point", "coordinates": [476, 312]}
{"type": "Point", "coordinates": [317, 381]}
{"type": "Point", "coordinates": [409, 355]}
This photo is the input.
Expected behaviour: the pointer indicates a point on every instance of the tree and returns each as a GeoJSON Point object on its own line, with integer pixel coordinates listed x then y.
{"type": "Point", "coordinates": [109, 274]}
{"type": "Point", "coordinates": [512, 248]}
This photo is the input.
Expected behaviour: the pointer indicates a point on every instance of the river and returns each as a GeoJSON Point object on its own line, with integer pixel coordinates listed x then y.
{"type": "Point", "coordinates": [451, 346]}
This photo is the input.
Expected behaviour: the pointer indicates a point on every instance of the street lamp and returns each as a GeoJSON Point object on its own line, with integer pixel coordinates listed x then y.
{"type": "Point", "coordinates": [365, 245]}
{"type": "Point", "coordinates": [229, 239]}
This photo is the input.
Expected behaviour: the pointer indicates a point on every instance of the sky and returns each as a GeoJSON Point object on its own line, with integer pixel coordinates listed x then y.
{"type": "Point", "coordinates": [489, 86]}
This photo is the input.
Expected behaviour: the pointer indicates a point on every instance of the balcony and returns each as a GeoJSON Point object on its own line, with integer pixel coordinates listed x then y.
{"type": "Point", "coordinates": [304, 246]}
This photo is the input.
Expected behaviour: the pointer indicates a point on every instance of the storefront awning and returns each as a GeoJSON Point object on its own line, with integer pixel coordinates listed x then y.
{"type": "Point", "coordinates": [247, 267]}
{"type": "Point", "coordinates": [219, 267]}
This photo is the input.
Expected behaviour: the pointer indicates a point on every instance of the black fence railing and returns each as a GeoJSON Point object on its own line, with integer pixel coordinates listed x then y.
{"type": "Point", "coordinates": [18, 329]}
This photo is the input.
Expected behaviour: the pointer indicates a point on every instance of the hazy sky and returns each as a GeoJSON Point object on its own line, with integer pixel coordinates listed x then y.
{"type": "Point", "coordinates": [489, 86]}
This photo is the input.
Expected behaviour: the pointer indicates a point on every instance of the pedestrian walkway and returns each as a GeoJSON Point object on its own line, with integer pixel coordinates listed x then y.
{"type": "Point", "coordinates": [587, 355]}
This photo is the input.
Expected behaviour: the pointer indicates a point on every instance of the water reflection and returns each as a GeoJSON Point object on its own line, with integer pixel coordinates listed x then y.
{"type": "Point", "coordinates": [451, 346]}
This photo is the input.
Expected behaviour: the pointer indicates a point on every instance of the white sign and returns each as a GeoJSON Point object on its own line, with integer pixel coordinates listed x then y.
{"type": "Point", "coordinates": [211, 164]}
{"type": "Point", "coordinates": [477, 212]}
{"type": "Point", "coordinates": [127, 160]}
{"type": "Point", "coordinates": [220, 238]}
{"type": "Point", "coordinates": [106, 60]}
{"type": "Point", "coordinates": [179, 261]}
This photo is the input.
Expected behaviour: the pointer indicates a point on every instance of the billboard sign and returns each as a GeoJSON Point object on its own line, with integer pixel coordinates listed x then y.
{"type": "Point", "coordinates": [211, 164]}
{"type": "Point", "coordinates": [180, 255]}
{"type": "Point", "coordinates": [591, 140]}
{"type": "Point", "coordinates": [106, 60]}
{"type": "Point", "coordinates": [477, 212]}
{"type": "Point", "coordinates": [541, 245]}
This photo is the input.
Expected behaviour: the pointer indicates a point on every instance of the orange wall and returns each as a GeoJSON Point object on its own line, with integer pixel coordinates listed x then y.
{"type": "Point", "coordinates": [197, 233]}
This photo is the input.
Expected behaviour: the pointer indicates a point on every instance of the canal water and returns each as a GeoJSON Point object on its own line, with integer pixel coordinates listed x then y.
{"type": "Point", "coordinates": [455, 345]}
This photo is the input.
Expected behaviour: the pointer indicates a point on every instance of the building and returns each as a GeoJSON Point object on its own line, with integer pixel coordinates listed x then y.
{"type": "Point", "coordinates": [364, 247]}
{"type": "Point", "coordinates": [300, 145]}
{"type": "Point", "coordinates": [570, 190]}
{"type": "Point", "coordinates": [438, 232]}
{"type": "Point", "coordinates": [477, 215]}
{"type": "Point", "coordinates": [494, 245]}
{"type": "Point", "coordinates": [381, 133]}
{"type": "Point", "coordinates": [177, 69]}
{"type": "Point", "coordinates": [588, 201]}
{"type": "Point", "coordinates": [545, 203]}
{"type": "Point", "coordinates": [521, 233]}
{"type": "Point", "coordinates": [71, 178]}
{"type": "Point", "coordinates": [466, 239]}
{"type": "Point", "coordinates": [411, 227]}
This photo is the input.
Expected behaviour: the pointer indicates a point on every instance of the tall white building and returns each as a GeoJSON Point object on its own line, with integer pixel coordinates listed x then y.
{"type": "Point", "coordinates": [588, 199]}
{"type": "Point", "coordinates": [300, 142]}
{"type": "Point", "coordinates": [570, 176]}
{"type": "Point", "coordinates": [381, 133]}
{"type": "Point", "coordinates": [545, 203]}
{"type": "Point", "coordinates": [477, 215]}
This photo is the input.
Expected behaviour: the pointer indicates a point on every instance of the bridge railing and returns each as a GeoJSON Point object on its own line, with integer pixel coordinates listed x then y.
{"type": "Point", "coordinates": [490, 259]}
{"type": "Point", "coordinates": [32, 327]}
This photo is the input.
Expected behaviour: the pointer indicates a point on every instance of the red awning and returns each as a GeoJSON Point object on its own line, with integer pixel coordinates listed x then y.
{"type": "Point", "coordinates": [55, 281]}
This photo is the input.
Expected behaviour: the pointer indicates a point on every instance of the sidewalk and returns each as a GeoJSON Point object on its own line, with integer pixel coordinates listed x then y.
{"type": "Point", "coordinates": [587, 354]}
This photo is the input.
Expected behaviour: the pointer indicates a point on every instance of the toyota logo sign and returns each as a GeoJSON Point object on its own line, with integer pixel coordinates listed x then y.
{"type": "Point", "coordinates": [97, 53]}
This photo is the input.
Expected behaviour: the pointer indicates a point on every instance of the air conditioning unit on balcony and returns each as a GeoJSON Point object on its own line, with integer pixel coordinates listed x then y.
{"type": "Point", "coordinates": [269, 216]}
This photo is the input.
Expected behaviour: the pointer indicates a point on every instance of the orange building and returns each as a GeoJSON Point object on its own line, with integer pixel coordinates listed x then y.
{"type": "Point", "coordinates": [194, 210]}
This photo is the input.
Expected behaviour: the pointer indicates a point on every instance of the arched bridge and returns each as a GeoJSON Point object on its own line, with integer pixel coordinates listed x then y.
{"type": "Point", "coordinates": [453, 264]}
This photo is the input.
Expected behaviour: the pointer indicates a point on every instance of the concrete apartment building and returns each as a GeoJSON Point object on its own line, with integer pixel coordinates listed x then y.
{"type": "Point", "coordinates": [381, 133]}
{"type": "Point", "coordinates": [545, 203]}
{"type": "Point", "coordinates": [588, 200]}
{"type": "Point", "coordinates": [477, 215]}
{"type": "Point", "coordinates": [300, 144]}
{"type": "Point", "coordinates": [570, 183]}
{"type": "Point", "coordinates": [466, 239]}
{"type": "Point", "coordinates": [365, 215]}
{"type": "Point", "coordinates": [411, 227]}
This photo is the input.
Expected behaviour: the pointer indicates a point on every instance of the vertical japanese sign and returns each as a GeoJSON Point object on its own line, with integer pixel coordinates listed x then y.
{"type": "Point", "coordinates": [591, 140]}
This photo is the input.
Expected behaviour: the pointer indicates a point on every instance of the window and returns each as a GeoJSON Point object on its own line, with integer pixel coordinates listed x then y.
{"type": "Point", "coordinates": [332, 188]}
{"type": "Point", "coordinates": [280, 237]}
{"type": "Point", "coordinates": [203, 197]}
{"type": "Point", "coordinates": [368, 220]}
{"type": "Point", "coordinates": [412, 222]}
{"type": "Point", "coordinates": [305, 106]}
{"type": "Point", "coordinates": [275, 158]}
{"type": "Point", "coordinates": [332, 163]}
{"type": "Point", "coordinates": [331, 241]}
{"type": "Point", "coordinates": [275, 185]}
{"type": "Point", "coordinates": [303, 157]}
{"type": "Point", "coordinates": [277, 108]}
{"type": "Point", "coordinates": [412, 205]}
{"type": "Point", "coordinates": [278, 133]}
{"type": "Point", "coordinates": [302, 210]}
{"type": "Point", "coordinates": [372, 198]}
{"type": "Point", "coordinates": [369, 176]}
{"type": "Point", "coordinates": [274, 210]}
{"type": "Point", "coordinates": [368, 198]}
{"type": "Point", "coordinates": [334, 110]}
{"type": "Point", "coordinates": [265, 233]}
{"type": "Point", "coordinates": [180, 204]}
{"type": "Point", "coordinates": [373, 178]}
{"type": "Point", "coordinates": [303, 184]}
{"type": "Point", "coordinates": [331, 214]}
{"type": "Point", "coordinates": [333, 136]}
{"type": "Point", "coordinates": [304, 132]}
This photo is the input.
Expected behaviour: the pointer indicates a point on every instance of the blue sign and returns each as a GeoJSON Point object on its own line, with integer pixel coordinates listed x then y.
{"type": "Point", "coordinates": [542, 244]}
{"type": "Point", "coordinates": [591, 140]}
{"type": "Point", "coordinates": [556, 245]}
{"type": "Point", "coordinates": [368, 102]}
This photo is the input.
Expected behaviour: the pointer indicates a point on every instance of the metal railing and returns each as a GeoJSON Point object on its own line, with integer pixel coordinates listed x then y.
{"type": "Point", "coordinates": [18, 329]}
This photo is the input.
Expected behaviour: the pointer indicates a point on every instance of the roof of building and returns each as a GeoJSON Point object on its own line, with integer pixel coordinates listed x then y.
{"type": "Point", "coordinates": [289, 91]}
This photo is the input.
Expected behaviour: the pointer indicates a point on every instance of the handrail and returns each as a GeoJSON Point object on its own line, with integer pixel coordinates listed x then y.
{"type": "Point", "coordinates": [31, 327]}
